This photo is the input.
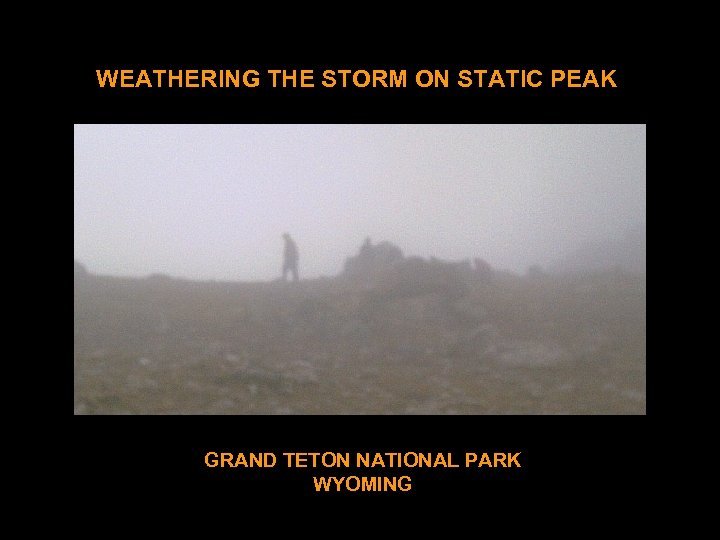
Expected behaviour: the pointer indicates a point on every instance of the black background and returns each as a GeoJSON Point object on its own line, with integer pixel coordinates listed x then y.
{"type": "Point", "coordinates": [412, 104]}
{"type": "Point", "coordinates": [595, 464]}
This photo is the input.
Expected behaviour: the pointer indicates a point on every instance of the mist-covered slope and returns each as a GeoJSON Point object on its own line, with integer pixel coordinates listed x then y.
{"type": "Point", "coordinates": [416, 337]}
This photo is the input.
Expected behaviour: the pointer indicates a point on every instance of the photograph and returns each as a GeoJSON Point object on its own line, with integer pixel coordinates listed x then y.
{"type": "Point", "coordinates": [359, 269]}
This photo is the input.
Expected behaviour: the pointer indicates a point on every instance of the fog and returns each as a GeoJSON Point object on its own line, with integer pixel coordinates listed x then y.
{"type": "Point", "coordinates": [211, 202]}
{"type": "Point", "coordinates": [480, 331]}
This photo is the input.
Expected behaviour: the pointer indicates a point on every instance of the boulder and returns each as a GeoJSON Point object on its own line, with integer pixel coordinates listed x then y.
{"type": "Point", "coordinates": [80, 269]}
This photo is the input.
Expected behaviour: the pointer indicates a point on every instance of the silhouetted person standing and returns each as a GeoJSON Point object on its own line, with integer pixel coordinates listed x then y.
{"type": "Point", "coordinates": [290, 258]}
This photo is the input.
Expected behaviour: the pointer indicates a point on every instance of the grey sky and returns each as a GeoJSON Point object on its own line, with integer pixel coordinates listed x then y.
{"type": "Point", "coordinates": [212, 201]}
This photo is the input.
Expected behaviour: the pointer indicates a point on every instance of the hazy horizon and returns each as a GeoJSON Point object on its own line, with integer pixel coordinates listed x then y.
{"type": "Point", "coordinates": [212, 201]}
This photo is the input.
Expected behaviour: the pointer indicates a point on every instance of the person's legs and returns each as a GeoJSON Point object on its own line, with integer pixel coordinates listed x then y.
{"type": "Point", "coordinates": [295, 272]}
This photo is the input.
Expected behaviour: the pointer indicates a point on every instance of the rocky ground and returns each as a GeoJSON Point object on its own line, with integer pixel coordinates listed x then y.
{"type": "Point", "coordinates": [410, 344]}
